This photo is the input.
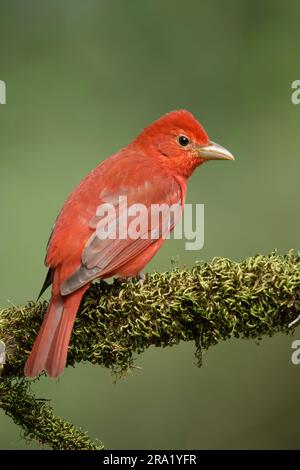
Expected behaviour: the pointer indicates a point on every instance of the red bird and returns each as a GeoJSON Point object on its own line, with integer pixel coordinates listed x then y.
{"type": "Point", "coordinates": [153, 169]}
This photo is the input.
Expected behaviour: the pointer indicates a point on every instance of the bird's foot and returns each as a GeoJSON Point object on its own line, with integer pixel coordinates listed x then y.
{"type": "Point", "coordinates": [120, 279]}
{"type": "Point", "coordinates": [141, 278]}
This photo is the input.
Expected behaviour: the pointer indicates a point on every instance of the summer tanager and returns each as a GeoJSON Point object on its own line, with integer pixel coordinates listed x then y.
{"type": "Point", "coordinates": [153, 169]}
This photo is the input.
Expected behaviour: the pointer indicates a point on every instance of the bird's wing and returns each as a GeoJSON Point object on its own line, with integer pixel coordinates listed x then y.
{"type": "Point", "coordinates": [105, 250]}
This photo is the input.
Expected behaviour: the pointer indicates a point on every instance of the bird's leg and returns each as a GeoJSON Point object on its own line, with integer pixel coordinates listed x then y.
{"type": "Point", "coordinates": [141, 277]}
{"type": "Point", "coordinates": [120, 279]}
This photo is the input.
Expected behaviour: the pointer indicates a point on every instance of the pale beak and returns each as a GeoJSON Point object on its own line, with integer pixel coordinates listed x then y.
{"type": "Point", "coordinates": [214, 152]}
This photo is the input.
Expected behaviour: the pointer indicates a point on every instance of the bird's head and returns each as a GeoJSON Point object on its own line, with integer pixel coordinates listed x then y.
{"type": "Point", "coordinates": [180, 143]}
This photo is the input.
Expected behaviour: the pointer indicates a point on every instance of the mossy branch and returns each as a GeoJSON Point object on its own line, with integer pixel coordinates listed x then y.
{"type": "Point", "coordinates": [212, 302]}
{"type": "Point", "coordinates": [38, 421]}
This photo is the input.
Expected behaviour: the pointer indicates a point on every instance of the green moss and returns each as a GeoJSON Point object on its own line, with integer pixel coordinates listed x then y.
{"type": "Point", "coordinates": [38, 421]}
{"type": "Point", "coordinates": [212, 302]}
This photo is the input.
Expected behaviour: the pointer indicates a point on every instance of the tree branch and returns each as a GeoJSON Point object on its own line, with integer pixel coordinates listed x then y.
{"type": "Point", "coordinates": [38, 421]}
{"type": "Point", "coordinates": [212, 302]}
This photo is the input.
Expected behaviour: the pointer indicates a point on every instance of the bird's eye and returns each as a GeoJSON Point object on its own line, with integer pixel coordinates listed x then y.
{"type": "Point", "coordinates": [183, 140]}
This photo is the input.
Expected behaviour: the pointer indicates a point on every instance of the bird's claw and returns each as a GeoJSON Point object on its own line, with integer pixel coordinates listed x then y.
{"type": "Point", "coordinates": [142, 278]}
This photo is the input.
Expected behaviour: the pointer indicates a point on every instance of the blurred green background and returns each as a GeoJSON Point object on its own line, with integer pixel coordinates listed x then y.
{"type": "Point", "coordinates": [83, 79]}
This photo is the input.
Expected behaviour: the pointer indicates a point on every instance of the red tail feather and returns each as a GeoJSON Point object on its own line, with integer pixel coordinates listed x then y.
{"type": "Point", "coordinates": [50, 349]}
